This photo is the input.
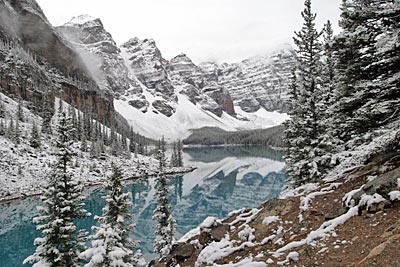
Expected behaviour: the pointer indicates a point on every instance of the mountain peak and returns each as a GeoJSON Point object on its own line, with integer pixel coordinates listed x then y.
{"type": "Point", "coordinates": [83, 20]}
{"type": "Point", "coordinates": [182, 57]}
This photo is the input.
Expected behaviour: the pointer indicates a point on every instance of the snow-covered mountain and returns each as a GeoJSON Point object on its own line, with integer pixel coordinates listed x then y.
{"type": "Point", "coordinates": [169, 97]}
{"type": "Point", "coordinates": [259, 82]}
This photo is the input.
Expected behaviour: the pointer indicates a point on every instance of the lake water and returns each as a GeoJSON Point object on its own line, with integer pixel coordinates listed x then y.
{"type": "Point", "coordinates": [227, 179]}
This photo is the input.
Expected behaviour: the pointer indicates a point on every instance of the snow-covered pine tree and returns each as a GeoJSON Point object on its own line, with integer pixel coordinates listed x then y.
{"type": "Point", "coordinates": [111, 244]}
{"type": "Point", "coordinates": [83, 146]}
{"type": "Point", "coordinates": [61, 241]}
{"type": "Point", "coordinates": [94, 153]}
{"type": "Point", "coordinates": [292, 127]}
{"type": "Point", "coordinates": [328, 72]}
{"type": "Point", "coordinates": [10, 132]}
{"type": "Point", "coordinates": [35, 141]}
{"type": "Point", "coordinates": [136, 151]}
{"type": "Point", "coordinates": [60, 106]}
{"type": "Point", "coordinates": [17, 133]}
{"type": "Point", "coordinates": [165, 228]}
{"type": "Point", "coordinates": [20, 111]}
{"type": "Point", "coordinates": [368, 59]}
{"type": "Point", "coordinates": [303, 156]}
{"type": "Point", "coordinates": [132, 143]}
{"type": "Point", "coordinates": [174, 161]}
{"type": "Point", "coordinates": [179, 158]}
{"type": "Point", "coordinates": [2, 109]}
{"type": "Point", "coordinates": [2, 127]}
{"type": "Point", "coordinates": [46, 122]}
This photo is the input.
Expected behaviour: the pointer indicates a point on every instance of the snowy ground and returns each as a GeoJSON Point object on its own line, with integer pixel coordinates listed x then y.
{"type": "Point", "coordinates": [24, 170]}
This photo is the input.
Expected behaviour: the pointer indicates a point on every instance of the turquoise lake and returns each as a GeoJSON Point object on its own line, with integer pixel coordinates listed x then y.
{"type": "Point", "coordinates": [227, 179]}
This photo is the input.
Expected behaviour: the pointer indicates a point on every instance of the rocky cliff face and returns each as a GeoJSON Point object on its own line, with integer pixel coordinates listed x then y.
{"type": "Point", "coordinates": [37, 63]}
{"type": "Point", "coordinates": [196, 85]}
{"type": "Point", "coordinates": [258, 82]}
{"type": "Point", "coordinates": [99, 51]}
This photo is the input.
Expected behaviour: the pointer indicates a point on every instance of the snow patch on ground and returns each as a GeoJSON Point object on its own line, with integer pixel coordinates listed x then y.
{"type": "Point", "coordinates": [368, 200]}
{"type": "Point", "coordinates": [394, 195]}
{"type": "Point", "coordinates": [270, 219]}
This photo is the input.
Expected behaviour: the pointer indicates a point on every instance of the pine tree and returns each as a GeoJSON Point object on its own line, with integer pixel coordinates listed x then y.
{"type": "Point", "coordinates": [174, 161]}
{"type": "Point", "coordinates": [35, 141]}
{"type": "Point", "coordinates": [93, 150]}
{"type": "Point", "coordinates": [60, 106]}
{"type": "Point", "coordinates": [179, 158]}
{"type": "Point", "coordinates": [111, 244]}
{"type": "Point", "coordinates": [368, 58]}
{"type": "Point", "coordinates": [2, 127]}
{"type": "Point", "coordinates": [165, 229]}
{"type": "Point", "coordinates": [328, 77]}
{"type": "Point", "coordinates": [17, 133]}
{"type": "Point", "coordinates": [20, 111]}
{"type": "Point", "coordinates": [83, 144]}
{"type": "Point", "coordinates": [305, 131]}
{"type": "Point", "coordinates": [10, 132]}
{"type": "Point", "coordinates": [132, 144]}
{"type": "Point", "coordinates": [2, 109]}
{"type": "Point", "coordinates": [61, 241]}
{"type": "Point", "coordinates": [46, 122]}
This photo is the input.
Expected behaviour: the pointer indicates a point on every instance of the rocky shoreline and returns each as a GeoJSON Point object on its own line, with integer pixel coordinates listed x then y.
{"type": "Point", "coordinates": [34, 192]}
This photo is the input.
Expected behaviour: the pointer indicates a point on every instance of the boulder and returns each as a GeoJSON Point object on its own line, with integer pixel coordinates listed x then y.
{"type": "Point", "coordinates": [382, 185]}
{"type": "Point", "coordinates": [181, 251]}
{"type": "Point", "coordinates": [218, 232]}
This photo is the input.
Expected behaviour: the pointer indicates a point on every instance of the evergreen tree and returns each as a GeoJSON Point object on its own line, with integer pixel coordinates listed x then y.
{"type": "Point", "coordinates": [46, 122]}
{"type": "Point", "coordinates": [83, 144]}
{"type": "Point", "coordinates": [328, 77]}
{"type": "Point", "coordinates": [2, 109]}
{"type": "Point", "coordinates": [20, 111]}
{"type": "Point", "coordinates": [368, 59]}
{"type": "Point", "coordinates": [174, 161]}
{"type": "Point", "coordinates": [10, 132]}
{"type": "Point", "coordinates": [179, 158]}
{"type": "Point", "coordinates": [60, 106]}
{"type": "Point", "coordinates": [17, 133]}
{"type": "Point", "coordinates": [111, 244]}
{"type": "Point", "coordinates": [162, 144]}
{"type": "Point", "coordinates": [165, 229]}
{"type": "Point", "coordinates": [35, 141]}
{"type": "Point", "coordinates": [136, 151]}
{"type": "Point", "coordinates": [93, 150]}
{"type": "Point", "coordinates": [61, 241]}
{"type": "Point", "coordinates": [132, 144]}
{"type": "Point", "coordinates": [305, 131]}
{"type": "Point", "coordinates": [2, 127]}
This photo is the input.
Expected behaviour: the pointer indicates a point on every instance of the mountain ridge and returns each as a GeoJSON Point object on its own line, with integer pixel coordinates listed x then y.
{"type": "Point", "coordinates": [152, 84]}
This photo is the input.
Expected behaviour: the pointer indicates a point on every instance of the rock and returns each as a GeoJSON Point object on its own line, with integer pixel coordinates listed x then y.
{"type": "Point", "coordinates": [218, 232]}
{"type": "Point", "coordinates": [163, 108]}
{"type": "Point", "coordinates": [204, 238]}
{"type": "Point", "coordinates": [215, 232]}
{"type": "Point", "coordinates": [377, 207]}
{"type": "Point", "coordinates": [155, 263]}
{"type": "Point", "coordinates": [139, 103]}
{"type": "Point", "coordinates": [382, 185]}
{"type": "Point", "coordinates": [181, 251]}
{"type": "Point", "coordinates": [335, 212]}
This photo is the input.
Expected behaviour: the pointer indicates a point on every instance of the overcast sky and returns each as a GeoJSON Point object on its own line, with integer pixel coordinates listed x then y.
{"type": "Point", "coordinates": [219, 30]}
